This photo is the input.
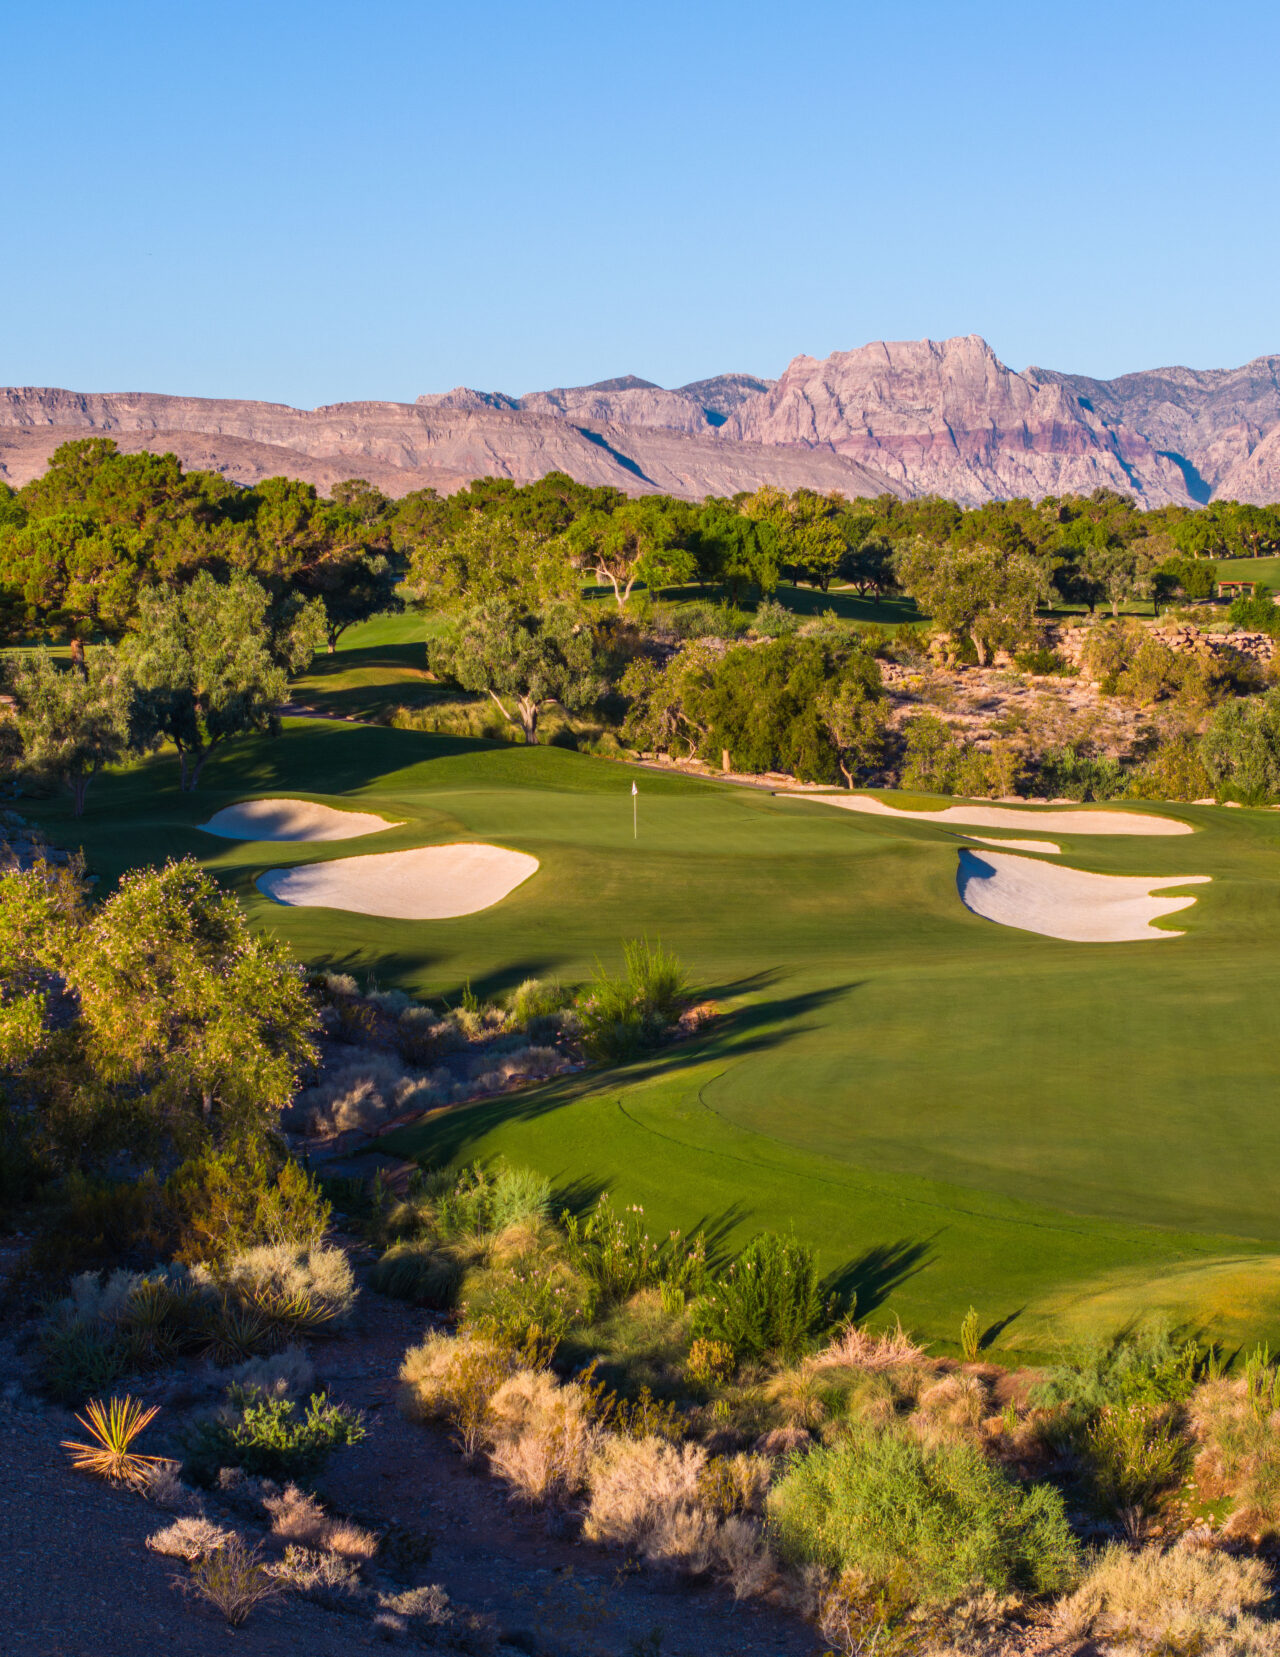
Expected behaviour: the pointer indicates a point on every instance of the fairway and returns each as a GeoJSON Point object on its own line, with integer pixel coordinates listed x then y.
{"type": "Point", "coordinates": [953, 1111]}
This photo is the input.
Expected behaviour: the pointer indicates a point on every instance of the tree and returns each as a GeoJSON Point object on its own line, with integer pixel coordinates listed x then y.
{"type": "Point", "coordinates": [73, 724]}
{"type": "Point", "coordinates": [488, 558]}
{"type": "Point", "coordinates": [853, 714]}
{"type": "Point", "coordinates": [523, 658]}
{"type": "Point", "coordinates": [74, 575]}
{"type": "Point", "coordinates": [201, 658]}
{"type": "Point", "coordinates": [731, 548]}
{"type": "Point", "coordinates": [158, 1011]}
{"type": "Point", "coordinates": [644, 541]}
{"type": "Point", "coordinates": [973, 591]}
{"type": "Point", "coordinates": [1241, 749]}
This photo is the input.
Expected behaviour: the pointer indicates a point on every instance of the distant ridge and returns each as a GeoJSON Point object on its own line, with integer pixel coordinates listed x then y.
{"type": "Point", "coordinates": [905, 417]}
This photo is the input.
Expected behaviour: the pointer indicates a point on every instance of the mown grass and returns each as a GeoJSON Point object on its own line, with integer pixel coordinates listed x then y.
{"type": "Point", "coordinates": [953, 1112]}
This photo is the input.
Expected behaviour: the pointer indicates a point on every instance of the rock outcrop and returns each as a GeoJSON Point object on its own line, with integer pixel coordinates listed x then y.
{"type": "Point", "coordinates": [949, 418]}
{"type": "Point", "coordinates": [925, 416]}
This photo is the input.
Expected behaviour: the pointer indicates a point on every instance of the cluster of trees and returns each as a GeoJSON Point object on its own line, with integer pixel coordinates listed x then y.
{"type": "Point", "coordinates": [82, 546]}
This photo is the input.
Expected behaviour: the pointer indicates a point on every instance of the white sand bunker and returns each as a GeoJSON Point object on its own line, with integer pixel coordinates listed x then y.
{"type": "Point", "coordinates": [1082, 821]}
{"type": "Point", "coordinates": [291, 820]}
{"type": "Point", "coordinates": [1072, 904]}
{"type": "Point", "coordinates": [1016, 845]}
{"type": "Point", "coordinates": [429, 883]}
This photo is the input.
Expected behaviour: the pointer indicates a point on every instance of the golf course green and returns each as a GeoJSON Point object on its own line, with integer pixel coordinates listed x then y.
{"type": "Point", "coordinates": [1063, 1135]}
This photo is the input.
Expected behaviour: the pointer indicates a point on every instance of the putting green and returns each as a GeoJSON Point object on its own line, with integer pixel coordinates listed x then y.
{"type": "Point", "coordinates": [953, 1112]}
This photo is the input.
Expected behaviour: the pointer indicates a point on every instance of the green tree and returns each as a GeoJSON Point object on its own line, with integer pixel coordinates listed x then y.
{"type": "Point", "coordinates": [74, 576]}
{"type": "Point", "coordinates": [974, 591]}
{"type": "Point", "coordinates": [645, 541]}
{"type": "Point", "coordinates": [201, 658]}
{"type": "Point", "coordinates": [522, 659]}
{"type": "Point", "coordinates": [1241, 749]}
{"type": "Point", "coordinates": [158, 1007]}
{"type": "Point", "coordinates": [73, 724]}
{"type": "Point", "coordinates": [853, 714]}
{"type": "Point", "coordinates": [490, 557]}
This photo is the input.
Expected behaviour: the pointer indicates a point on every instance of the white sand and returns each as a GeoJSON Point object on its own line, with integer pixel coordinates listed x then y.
{"type": "Point", "coordinates": [429, 883]}
{"type": "Point", "coordinates": [291, 820]}
{"type": "Point", "coordinates": [1016, 845]}
{"type": "Point", "coordinates": [1067, 903]}
{"type": "Point", "coordinates": [1083, 820]}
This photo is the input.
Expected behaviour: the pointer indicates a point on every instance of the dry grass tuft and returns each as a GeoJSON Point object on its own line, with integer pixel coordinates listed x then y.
{"type": "Point", "coordinates": [190, 1538]}
{"type": "Point", "coordinates": [296, 1516]}
{"type": "Point", "coordinates": [952, 1409]}
{"type": "Point", "coordinates": [1179, 1599]}
{"type": "Point", "coordinates": [452, 1378]}
{"type": "Point", "coordinates": [857, 1348]}
{"type": "Point", "coordinates": [314, 1571]}
{"type": "Point", "coordinates": [543, 1437]}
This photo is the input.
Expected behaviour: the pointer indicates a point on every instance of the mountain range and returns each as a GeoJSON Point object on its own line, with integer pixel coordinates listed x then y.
{"type": "Point", "coordinates": [907, 418]}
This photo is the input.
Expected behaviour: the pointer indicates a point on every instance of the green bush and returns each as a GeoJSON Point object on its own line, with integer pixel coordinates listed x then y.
{"type": "Point", "coordinates": [1241, 750]}
{"type": "Point", "coordinates": [943, 1520]}
{"type": "Point", "coordinates": [768, 1301]}
{"type": "Point", "coordinates": [241, 1196]}
{"type": "Point", "coordinates": [1066, 773]}
{"type": "Point", "coordinates": [772, 620]}
{"type": "Point", "coordinates": [421, 1273]}
{"type": "Point", "coordinates": [530, 1304]}
{"type": "Point", "coordinates": [1146, 1366]}
{"type": "Point", "coordinates": [537, 1002]}
{"type": "Point", "coordinates": [1135, 1454]}
{"type": "Point", "coordinates": [82, 1359]}
{"type": "Point", "coordinates": [616, 1253]}
{"type": "Point", "coordinates": [621, 1016]}
{"type": "Point", "coordinates": [270, 1437]}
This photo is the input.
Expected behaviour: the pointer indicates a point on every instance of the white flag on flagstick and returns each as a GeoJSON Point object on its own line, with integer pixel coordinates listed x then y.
{"type": "Point", "coordinates": [634, 789]}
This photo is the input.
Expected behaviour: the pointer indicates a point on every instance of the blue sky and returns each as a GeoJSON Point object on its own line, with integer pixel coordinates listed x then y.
{"type": "Point", "coordinates": [316, 202]}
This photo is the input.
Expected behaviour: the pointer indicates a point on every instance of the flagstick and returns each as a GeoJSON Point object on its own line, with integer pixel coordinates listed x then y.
{"type": "Point", "coordinates": [635, 815]}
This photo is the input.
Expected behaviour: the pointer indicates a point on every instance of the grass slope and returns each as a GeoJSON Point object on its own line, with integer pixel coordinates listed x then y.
{"type": "Point", "coordinates": [954, 1112]}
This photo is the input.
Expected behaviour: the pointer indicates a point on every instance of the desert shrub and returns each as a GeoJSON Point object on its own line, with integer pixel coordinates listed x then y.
{"type": "Point", "coordinates": [536, 1002]}
{"type": "Point", "coordinates": [270, 1437]}
{"type": "Point", "coordinates": [520, 1195]}
{"type": "Point", "coordinates": [1134, 1454]}
{"type": "Point", "coordinates": [1177, 1600]}
{"type": "Point", "coordinates": [1041, 659]}
{"type": "Point", "coordinates": [1239, 1454]}
{"type": "Point", "coordinates": [702, 619]}
{"type": "Point", "coordinates": [531, 1302]}
{"type": "Point", "coordinates": [1241, 749]}
{"type": "Point", "coordinates": [109, 1454]}
{"type": "Point", "coordinates": [81, 1359]}
{"type": "Point", "coordinates": [452, 1378]}
{"type": "Point", "coordinates": [621, 1016]}
{"type": "Point", "coordinates": [294, 1289]}
{"type": "Point", "coordinates": [495, 1073]}
{"type": "Point", "coordinates": [618, 1256]}
{"type": "Point", "coordinates": [935, 761]}
{"type": "Point", "coordinates": [190, 1537]}
{"type": "Point", "coordinates": [710, 1364]}
{"type": "Point", "coordinates": [768, 1301]}
{"type": "Point", "coordinates": [950, 1409]}
{"type": "Point", "coordinates": [772, 620]}
{"type": "Point", "coordinates": [238, 1197]}
{"type": "Point", "coordinates": [1144, 1366]}
{"type": "Point", "coordinates": [118, 1323]}
{"type": "Point", "coordinates": [98, 1223]}
{"type": "Point", "coordinates": [320, 1574]}
{"type": "Point", "coordinates": [285, 1374]}
{"type": "Point", "coordinates": [233, 1579]}
{"type": "Point", "coordinates": [543, 1436]}
{"type": "Point", "coordinates": [421, 1273]}
{"type": "Point", "coordinates": [943, 1518]}
{"type": "Point", "coordinates": [1175, 771]}
{"type": "Point", "coordinates": [366, 1090]}
{"type": "Point", "coordinates": [1068, 773]}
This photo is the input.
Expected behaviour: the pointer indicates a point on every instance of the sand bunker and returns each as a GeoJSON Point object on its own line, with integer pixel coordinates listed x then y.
{"type": "Point", "coordinates": [429, 883]}
{"type": "Point", "coordinates": [1072, 904]}
{"type": "Point", "coordinates": [1016, 845]}
{"type": "Point", "coordinates": [291, 820]}
{"type": "Point", "coordinates": [1082, 821]}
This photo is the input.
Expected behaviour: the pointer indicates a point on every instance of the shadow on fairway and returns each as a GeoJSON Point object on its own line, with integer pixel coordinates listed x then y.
{"type": "Point", "coordinates": [867, 1282]}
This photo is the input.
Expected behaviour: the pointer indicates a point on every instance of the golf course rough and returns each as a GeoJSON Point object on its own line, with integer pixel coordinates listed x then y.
{"type": "Point", "coordinates": [951, 1112]}
{"type": "Point", "coordinates": [1072, 904]}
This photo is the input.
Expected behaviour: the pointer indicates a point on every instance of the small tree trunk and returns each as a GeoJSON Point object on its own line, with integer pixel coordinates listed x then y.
{"type": "Point", "coordinates": [980, 646]}
{"type": "Point", "coordinates": [848, 775]}
{"type": "Point", "coordinates": [79, 785]}
{"type": "Point", "coordinates": [77, 657]}
{"type": "Point", "coordinates": [196, 769]}
{"type": "Point", "coordinates": [529, 719]}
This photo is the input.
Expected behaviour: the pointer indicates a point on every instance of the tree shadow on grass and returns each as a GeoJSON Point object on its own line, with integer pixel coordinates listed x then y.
{"type": "Point", "coordinates": [865, 1283]}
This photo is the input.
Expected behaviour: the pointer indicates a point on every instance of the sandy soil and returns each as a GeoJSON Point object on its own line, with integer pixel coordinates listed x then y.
{"type": "Point", "coordinates": [291, 820]}
{"type": "Point", "coordinates": [1016, 845]}
{"type": "Point", "coordinates": [1068, 903]}
{"type": "Point", "coordinates": [1080, 820]}
{"type": "Point", "coordinates": [429, 883]}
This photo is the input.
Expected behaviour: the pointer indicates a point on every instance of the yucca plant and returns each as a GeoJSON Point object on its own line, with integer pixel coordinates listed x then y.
{"type": "Point", "coordinates": [286, 1315]}
{"type": "Point", "coordinates": [236, 1332]}
{"type": "Point", "coordinates": [970, 1336]}
{"type": "Point", "coordinates": [113, 1427]}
